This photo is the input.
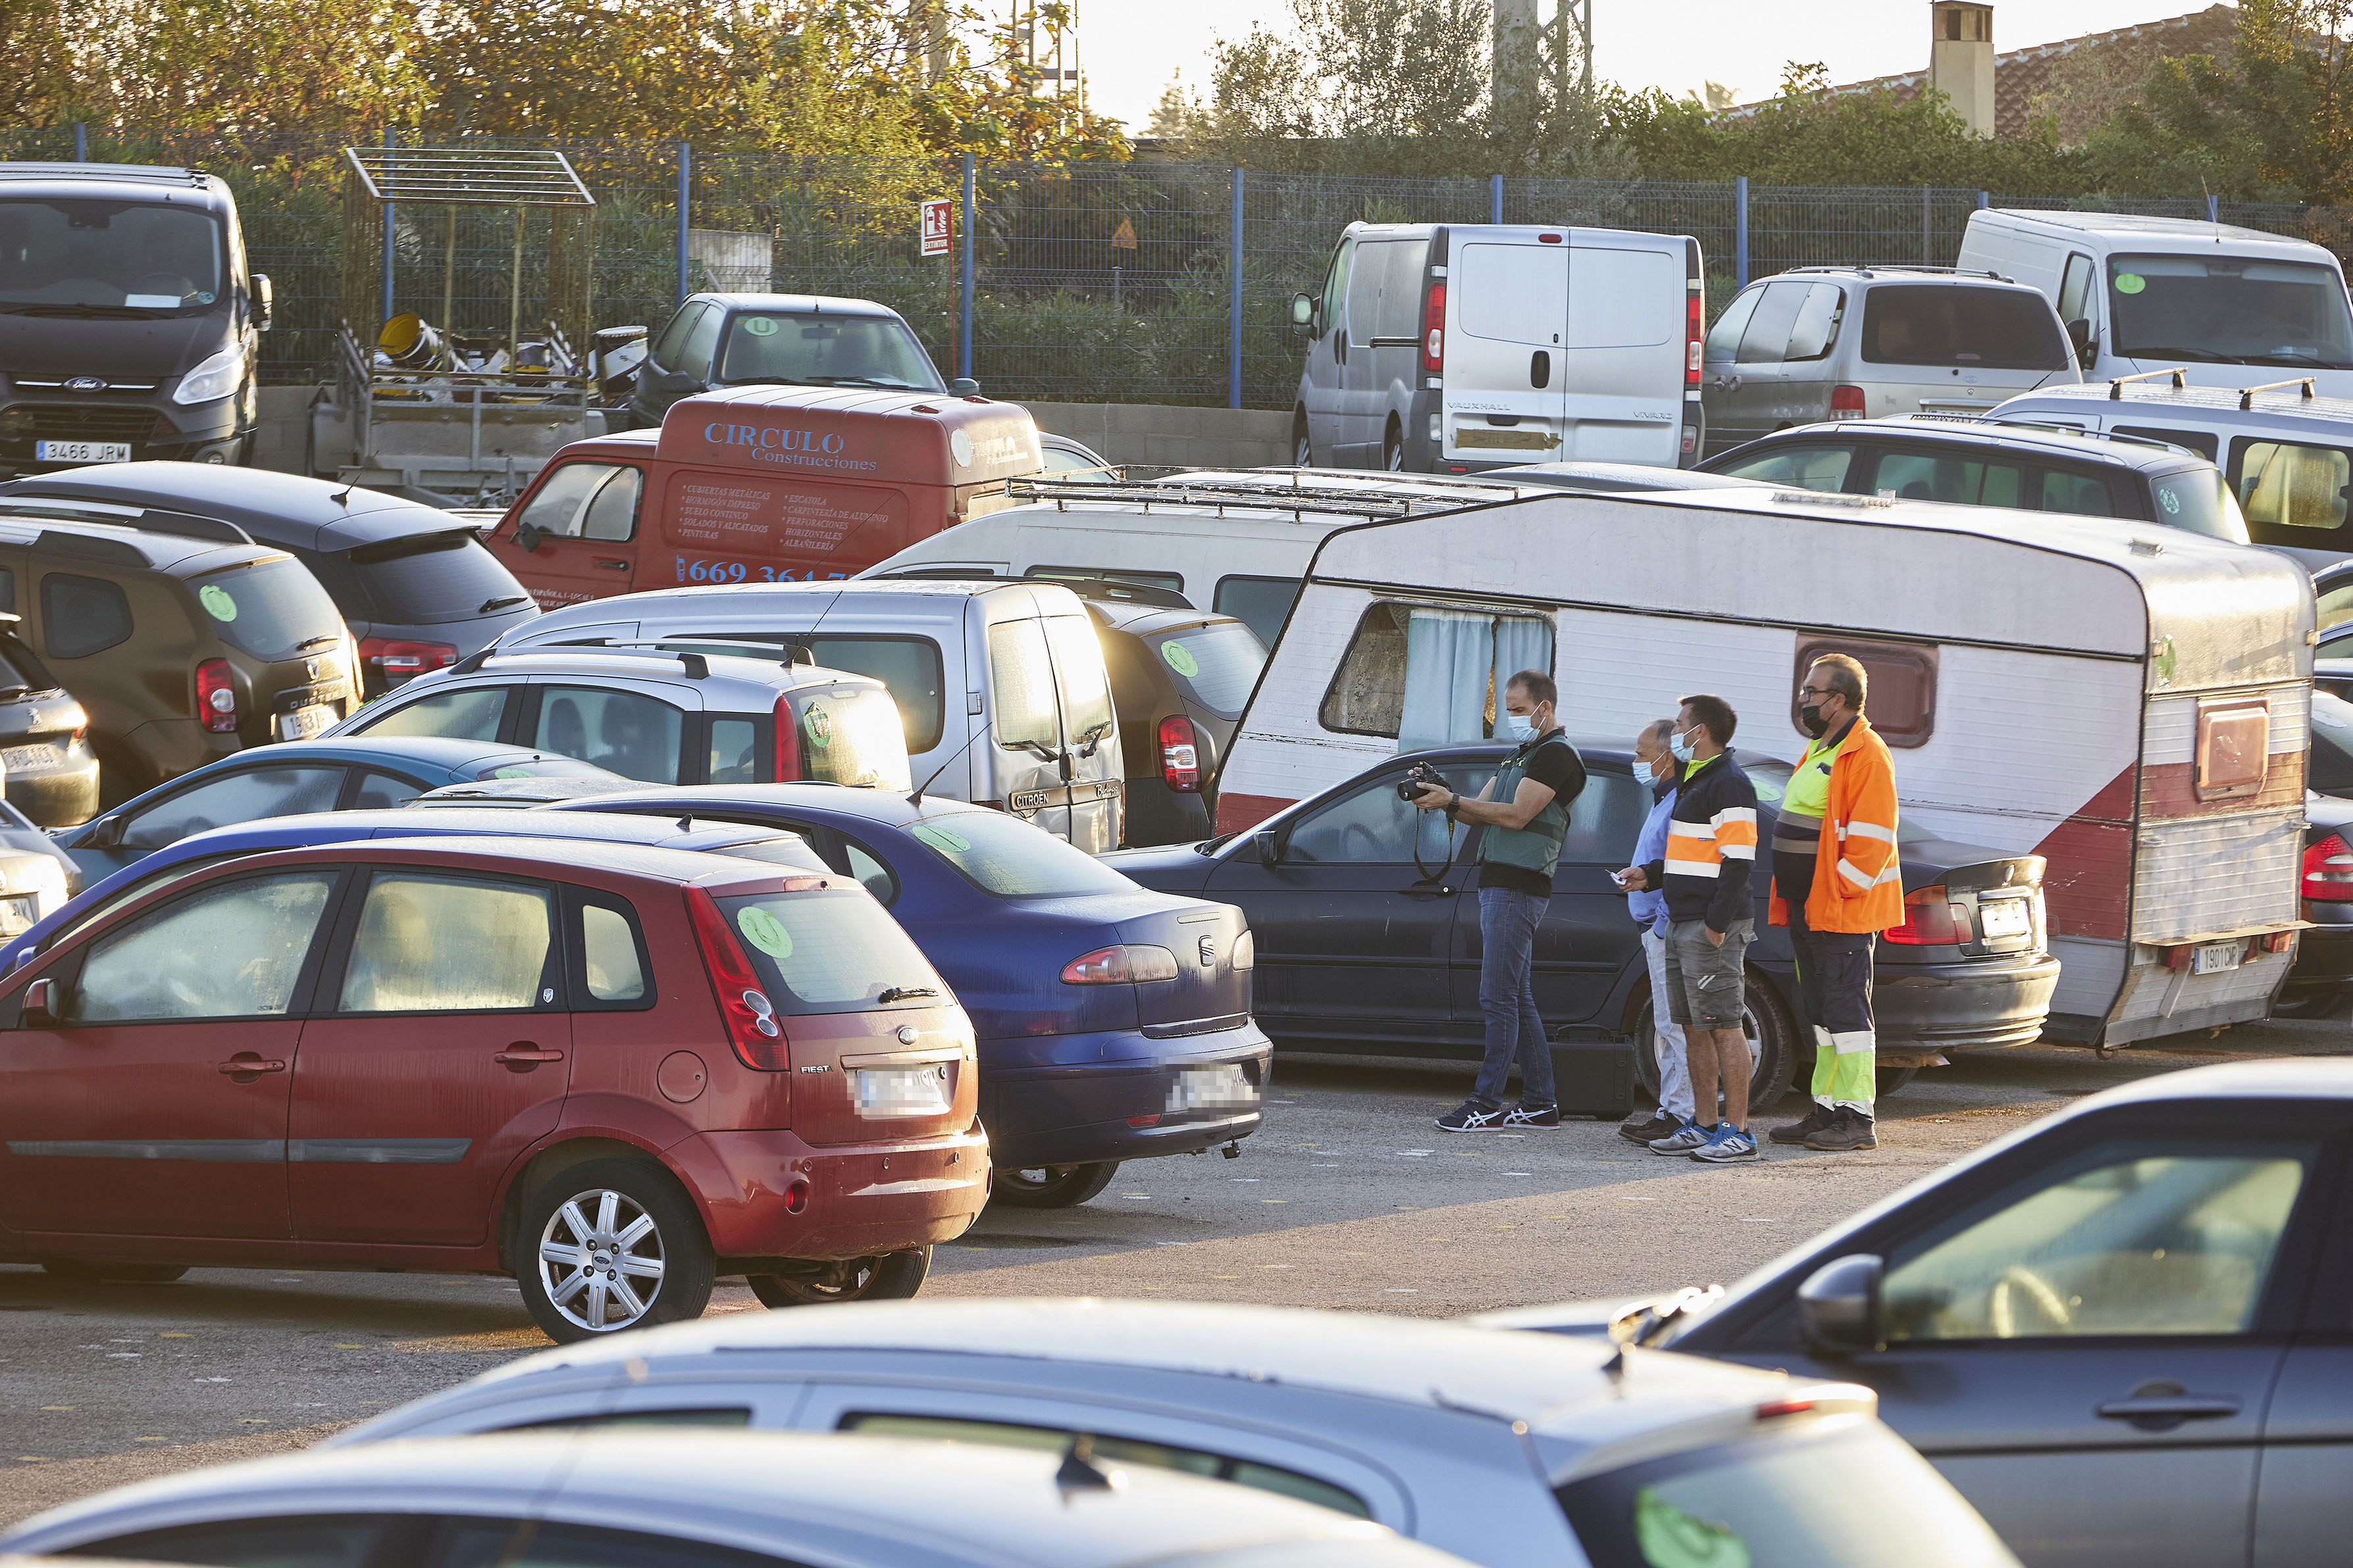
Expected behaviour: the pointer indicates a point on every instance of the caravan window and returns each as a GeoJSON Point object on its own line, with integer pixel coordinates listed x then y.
{"type": "Point", "coordinates": [2289, 485]}
{"type": "Point", "coordinates": [1367, 692]}
{"type": "Point", "coordinates": [1472, 652]}
{"type": "Point", "coordinates": [1900, 684]}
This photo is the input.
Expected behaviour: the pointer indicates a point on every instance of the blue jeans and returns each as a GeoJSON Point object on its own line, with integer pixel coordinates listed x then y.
{"type": "Point", "coordinates": [1507, 940]}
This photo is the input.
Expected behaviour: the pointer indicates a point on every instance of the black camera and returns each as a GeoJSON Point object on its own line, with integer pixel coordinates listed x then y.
{"type": "Point", "coordinates": [1419, 777]}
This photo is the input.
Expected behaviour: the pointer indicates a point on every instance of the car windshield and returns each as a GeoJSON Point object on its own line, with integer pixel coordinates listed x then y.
{"type": "Point", "coordinates": [1215, 665]}
{"type": "Point", "coordinates": [831, 953]}
{"type": "Point", "coordinates": [2229, 310]}
{"type": "Point", "coordinates": [1006, 856]}
{"type": "Point", "coordinates": [271, 609]}
{"type": "Point", "coordinates": [813, 350]}
{"type": "Point", "coordinates": [2330, 769]}
{"type": "Point", "coordinates": [71, 257]}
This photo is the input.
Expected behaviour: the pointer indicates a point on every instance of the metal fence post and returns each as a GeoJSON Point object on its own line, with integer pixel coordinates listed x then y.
{"type": "Point", "coordinates": [685, 217]}
{"type": "Point", "coordinates": [2213, 207]}
{"type": "Point", "coordinates": [391, 233]}
{"type": "Point", "coordinates": [1928, 253]}
{"type": "Point", "coordinates": [1740, 232]}
{"type": "Point", "coordinates": [1234, 303]}
{"type": "Point", "coordinates": [1984, 201]}
{"type": "Point", "coordinates": [81, 142]}
{"type": "Point", "coordinates": [1496, 199]}
{"type": "Point", "coordinates": [963, 349]}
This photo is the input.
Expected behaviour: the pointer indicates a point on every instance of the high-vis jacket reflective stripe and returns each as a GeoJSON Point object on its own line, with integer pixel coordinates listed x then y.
{"type": "Point", "coordinates": [1858, 874]}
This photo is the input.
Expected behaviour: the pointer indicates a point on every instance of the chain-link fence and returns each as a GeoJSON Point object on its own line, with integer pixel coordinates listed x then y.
{"type": "Point", "coordinates": [1141, 282]}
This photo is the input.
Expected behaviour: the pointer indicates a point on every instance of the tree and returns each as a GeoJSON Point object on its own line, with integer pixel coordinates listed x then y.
{"type": "Point", "coordinates": [227, 69]}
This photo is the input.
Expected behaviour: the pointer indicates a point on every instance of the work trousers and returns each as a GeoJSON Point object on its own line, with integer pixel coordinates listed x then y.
{"type": "Point", "coordinates": [1674, 1072]}
{"type": "Point", "coordinates": [1507, 996]}
{"type": "Point", "coordinates": [1834, 986]}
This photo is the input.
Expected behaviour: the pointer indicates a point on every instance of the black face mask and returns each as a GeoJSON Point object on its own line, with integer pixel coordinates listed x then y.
{"type": "Point", "coordinates": [1810, 718]}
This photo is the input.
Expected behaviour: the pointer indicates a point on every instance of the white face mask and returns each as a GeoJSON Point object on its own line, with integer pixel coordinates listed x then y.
{"type": "Point", "coordinates": [1520, 726]}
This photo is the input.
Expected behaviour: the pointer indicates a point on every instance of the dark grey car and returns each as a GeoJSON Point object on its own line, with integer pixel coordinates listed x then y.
{"type": "Point", "coordinates": [2121, 1332]}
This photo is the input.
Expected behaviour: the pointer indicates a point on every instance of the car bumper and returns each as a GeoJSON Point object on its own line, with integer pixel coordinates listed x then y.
{"type": "Point", "coordinates": [1963, 1006]}
{"type": "Point", "coordinates": [61, 796]}
{"type": "Point", "coordinates": [1158, 814]}
{"type": "Point", "coordinates": [1110, 1097]}
{"type": "Point", "coordinates": [772, 1195]}
{"type": "Point", "coordinates": [2324, 954]}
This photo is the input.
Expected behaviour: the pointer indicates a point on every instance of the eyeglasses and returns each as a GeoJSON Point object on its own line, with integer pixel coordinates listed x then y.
{"type": "Point", "coordinates": [1818, 691]}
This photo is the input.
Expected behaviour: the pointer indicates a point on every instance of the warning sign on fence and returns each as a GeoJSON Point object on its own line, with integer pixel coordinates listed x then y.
{"type": "Point", "coordinates": [1123, 236]}
{"type": "Point", "coordinates": [939, 227]}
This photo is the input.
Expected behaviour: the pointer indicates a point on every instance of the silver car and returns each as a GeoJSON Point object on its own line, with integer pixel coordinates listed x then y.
{"type": "Point", "coordinates": [1512, 1452]}
{"type": "Point", "coordinates": [699, 1499]}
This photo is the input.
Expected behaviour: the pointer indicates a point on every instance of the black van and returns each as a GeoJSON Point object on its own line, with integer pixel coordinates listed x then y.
{"type": "Point", "coordinates": [128, 320]}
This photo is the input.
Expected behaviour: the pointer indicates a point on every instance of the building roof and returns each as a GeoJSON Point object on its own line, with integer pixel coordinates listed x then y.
{"type": "Point", "coordinates": [2041, 81]}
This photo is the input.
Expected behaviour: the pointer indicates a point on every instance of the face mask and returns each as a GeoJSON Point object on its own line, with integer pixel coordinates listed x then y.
{"type": "Point", "coordinates": [1680, 743]}
{"type": "Point", "coordinates": [1810, 718]}
{"type": "Point", "coordinates": [1659, 786]}
{"type": "Point", "coordinates": [1520, 727]}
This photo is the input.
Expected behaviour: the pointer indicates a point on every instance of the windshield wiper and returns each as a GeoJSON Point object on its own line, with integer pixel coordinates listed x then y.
{"type": "Point", "coordinates": [1211, 845]}
{"type": "Point", "coordinates": [865, 380]}
{"type": "Point", "coordinates": [2201, 355]}
{"type": "Point", "coordinates": [904, 993]}
{"type": "Point", "coordinates": [129, 312]}
{"type": "Point", "coordinates": [2294, 359]}
{"type": "Point", "coordinates": [769, 380]}
{"type": "Point", "coordinates": [490, 605]}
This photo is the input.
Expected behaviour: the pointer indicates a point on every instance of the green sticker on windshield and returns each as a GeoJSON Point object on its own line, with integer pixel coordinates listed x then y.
{"type": "Point", "coordinates": [820, 727]}
{"type": "Point", "coordinates": [941, 840]}
{"type": "Point", "coordinates": [760, 326]}
{"type": "Point", "coordinates": [1181, 659]}
{"type": "Point", "coordinates": [1670, 1538]}
{"type": "Point", "coordinates": [764, 932]}
{"type": "Point", "coordinates": [2130, 282]}
{"type": "Point", "coordinates": [216, 602]}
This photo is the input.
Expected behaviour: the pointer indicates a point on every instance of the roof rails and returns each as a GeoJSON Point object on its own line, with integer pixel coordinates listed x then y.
{"type": "Point", "coordinates": [2060, 428]}
{"type": "Point", "coordinates": [142, 173]}
{"type": "Point", "coordinates": [1247, 494]}
{"type": "Point", "coordinates": [1868, 268]}
{"type": "Point", "coordinates": [113, 514]}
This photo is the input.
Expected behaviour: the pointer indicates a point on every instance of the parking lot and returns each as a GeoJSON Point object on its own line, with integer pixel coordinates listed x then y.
{"type": "Point", "coordinates": [1348, 1199]}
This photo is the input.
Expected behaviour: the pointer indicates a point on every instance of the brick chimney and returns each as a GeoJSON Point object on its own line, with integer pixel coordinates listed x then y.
{"type": "Point", "coordinates": [1960, 60]}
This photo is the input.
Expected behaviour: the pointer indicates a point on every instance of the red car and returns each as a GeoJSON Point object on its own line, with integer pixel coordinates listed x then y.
{"type": "Point", "coordinates": [612, 1071]}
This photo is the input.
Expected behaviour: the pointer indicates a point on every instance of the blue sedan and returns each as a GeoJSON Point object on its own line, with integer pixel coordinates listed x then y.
{"type": "Point", "coordinates": [292, 779]}
{"type": "Point", "coordinates": [1113, 1022]}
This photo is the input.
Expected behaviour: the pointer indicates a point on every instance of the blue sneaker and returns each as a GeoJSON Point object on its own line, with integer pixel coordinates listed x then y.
{"type": "Point", "coordinates": [1728, 1143]}
{"type": "Point", "coordinates": [1690, 1135]}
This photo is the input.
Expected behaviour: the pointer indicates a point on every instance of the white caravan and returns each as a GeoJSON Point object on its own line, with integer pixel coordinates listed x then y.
{"type": "Point", "coordinates": [2128, 702]}
{"type": "Point", "coordinates": [2140, 294]}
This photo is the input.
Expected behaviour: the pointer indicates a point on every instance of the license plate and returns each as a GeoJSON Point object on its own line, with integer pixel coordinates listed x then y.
{"type": "Point", "coordinates": [305, 722]}
{"type": "Point", "coordinates": [2215, 957]}
{"type": "Point", "coordinates": [902, 1091]}
{"type": "Point", "coordinates": [2003, 917]}
{"type": "Point", "coordinates": [81, 451]}
{"type": "Point", "coordinates": [28, 757]}
{"type": "Point", "coordinates": [18, 914]}
{"type": "Point", "coordinates": [1226, 1088]}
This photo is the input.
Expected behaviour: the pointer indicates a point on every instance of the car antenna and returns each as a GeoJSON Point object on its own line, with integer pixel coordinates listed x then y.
{"type": "Point", "coordinates": [917, 798]}
{"type": "Point", "coordinates": [686, 822]}
{"type": "Point", "coordinates": [342, 498]}
{"type": "Point", "coordinates": [1079, 1471]}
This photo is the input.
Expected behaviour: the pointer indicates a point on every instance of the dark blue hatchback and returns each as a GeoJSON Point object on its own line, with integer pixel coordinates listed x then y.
{"type": "Point", "coordinates": [1113, 1021]}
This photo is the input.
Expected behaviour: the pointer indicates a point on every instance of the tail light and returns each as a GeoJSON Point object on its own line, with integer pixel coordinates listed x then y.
{"type": "Point", "coordinates": [1932, 920]}
{"type": "Point", "coordinates": [1695, 334]}
{"type": "Point", "coordinates": [1846, 402]}
{"type": "Point", "coordinates": [398, 660]}
{"type": "Point", "coordinates": [752, 1027]}
{"type": "Point", "coordinates": [1433, 329]}
{"type": "Point", "coordinates": [2328, 871]}
{"type": "Point", "coordinates": [1180, 759]}
{"type": "Point", "coordinates": [789, 742]}
{"type": "Point", "coordinates": [1120, 966]}
{"type": "Point", "coordinates": [217, 696]}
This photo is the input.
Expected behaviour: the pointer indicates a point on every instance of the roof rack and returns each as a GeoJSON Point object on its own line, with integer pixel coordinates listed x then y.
{"type": "Point", "coordinates": [2247, 393]}
{"type": "Point", "coordinates": [1244, 494]}
{"type": "Point", "coordinates": [142, 173]}
{"type": "Point", "coordinates": [2180, 375]}
{"type": "Point", "coordinates": [695, 666]}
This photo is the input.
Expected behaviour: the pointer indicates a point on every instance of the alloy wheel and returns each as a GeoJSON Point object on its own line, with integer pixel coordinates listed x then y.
{"type": "Point", "coordinates": [601, 1260]}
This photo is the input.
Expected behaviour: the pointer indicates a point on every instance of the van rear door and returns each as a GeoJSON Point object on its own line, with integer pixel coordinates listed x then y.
{"type": "Point", "coordinates": [1621, 375]}
{"type": "Point", "coordinates": [1091, 734]}
{"type": "Point", "coordinates": [1507, 297]}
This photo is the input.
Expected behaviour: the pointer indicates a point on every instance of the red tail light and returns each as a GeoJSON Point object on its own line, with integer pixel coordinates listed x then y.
{"type": "Point", "coordinates": [2328, 871]}
{"type": "Point", "coordinates": [789, 742]}
{"type": "Point", "coordinates": [1120, 966]}
{"type": "Point", "coordinates": [1695, 334]}
{"type": "Point", "coordinates": [1846, 402]}
{"type": "Point", "coordinates": [1180, 759]}
{"type": "Point", "coordinates": [217, 696]}
{"type": "Point", "coordinates": [1433, 329]}
{"type": "Point", "coordinates": [1932, 920]}
{"type": "Point", "coordinates": [398, 660]}
{"type": "Point", "coordinates": [752, 1027]}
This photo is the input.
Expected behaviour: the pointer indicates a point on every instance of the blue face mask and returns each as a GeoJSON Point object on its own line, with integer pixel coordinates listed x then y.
{"type": "Point", "coordinates": [1680, 743]}
{"type": "Point", "coordinates": [1520, 727]}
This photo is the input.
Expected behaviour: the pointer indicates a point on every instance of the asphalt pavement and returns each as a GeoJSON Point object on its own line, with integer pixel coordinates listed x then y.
{"type": "Point", "coordinates": [1347, 1198]}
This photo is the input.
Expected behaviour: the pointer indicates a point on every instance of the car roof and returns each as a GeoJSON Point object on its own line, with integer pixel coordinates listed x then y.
{"type": "Point", "coordinates": [838, 1499]}
{"type": "Point", "coordinates": [1150, 620]}
{"type": "Point", "coordinates": [821, 304]}
{"type": "Point", "coordinates": [1984, 433]}
{"type": "Point", "coordinates": [649, 664]}
{"type": "Point", "coordinates": [290, 509]}
{"type": "Point", "coordinates": [104, 182]}
{"type": "Point", "coordinates": [109, 534]}
{"type": "Point", "coordinates": [1874, 273]}
{"type": "Point", "coordinates": [530, 791]}
{"type": "Point", "coordinates": [2220, 405]}
{"type": "Point", "coordinates": [700, 835]}
{"type": "Point", "coordinates": [440, 751]}
{"type": "Point", "coordinates": [886, 807]}
{"type": "Point", "coordinates": [2143, 225]}
{"type": "Point", "coordinates": [1611, 476]}
{"type": "Point", "coordinates": [519, 854]}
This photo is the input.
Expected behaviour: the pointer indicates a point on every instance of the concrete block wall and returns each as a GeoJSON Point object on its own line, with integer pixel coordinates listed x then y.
{"type": "Point", "coordinates": [285, 424]}
{"type": "Point", "coordinates": [1172, 436]}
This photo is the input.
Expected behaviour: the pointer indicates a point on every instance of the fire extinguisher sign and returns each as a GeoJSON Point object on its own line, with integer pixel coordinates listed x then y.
{"type": "Point", "coordinates": [939, 227]}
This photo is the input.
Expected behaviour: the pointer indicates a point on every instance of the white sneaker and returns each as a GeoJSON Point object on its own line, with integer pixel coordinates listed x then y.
{"type": "Point", "coordinates": [1681, 1140]}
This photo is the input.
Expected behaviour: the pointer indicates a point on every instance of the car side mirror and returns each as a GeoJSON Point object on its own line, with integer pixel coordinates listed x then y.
{"type": "Point", "coordinates": [964, 387]}
{"type": "Point", "coordinates": [257, 289]}
{"type": "Point", "coordinates": [2079, 334]}
{"type": "Point", "coordinates": [1267, 844]}
{"type": "Point", "coordinates": [1303, 314]}
{"type": "Point", "coordinates": [527, 536]}
{"type": "Point", "coordinates": [106, 833]}
{"type": "Point", "coordinates": [678, 382]}
{"type": "Point", "coordinates": [41, 1001]}
{"type": "Point", "coordinates": [1838, 1307]}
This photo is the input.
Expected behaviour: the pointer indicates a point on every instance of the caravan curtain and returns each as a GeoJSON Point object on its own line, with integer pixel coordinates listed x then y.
{"type": "Point", "coordinates": [1449, 658]}
{"type": "Point", "coordinates": [1521, 642]}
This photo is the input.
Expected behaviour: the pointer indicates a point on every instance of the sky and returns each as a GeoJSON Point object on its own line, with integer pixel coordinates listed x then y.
{"type": "Point", "coordinates": [1129, 48]}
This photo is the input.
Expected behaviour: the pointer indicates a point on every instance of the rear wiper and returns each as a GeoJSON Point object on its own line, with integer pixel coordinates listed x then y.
{"type": "Point", "coordinates": [904, 993]}
{"type": "Point", "coordinates": [1094, 738]}
{"type": "Point", "coordinates": [490, 605]}
{"type": "Point", "coordinates": [6, 692]}
{"type": "Point", "coordinates": [314, 642]}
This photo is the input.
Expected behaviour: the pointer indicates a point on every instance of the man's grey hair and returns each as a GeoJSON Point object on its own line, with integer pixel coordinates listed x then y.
{"type": "Point", "coordinates": [1655, 733]}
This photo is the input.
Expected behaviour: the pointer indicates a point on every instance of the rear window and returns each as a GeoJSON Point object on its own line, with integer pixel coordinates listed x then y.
{"type": "Point", "coordinates": [1214, 665]}
{"type": "Point", "coordinates": [852, 737]}
{"type": "Point", "coordinates": [430, 577]}
{"type": "Point", "coordinates": [270, 609]}
{"type": "Point", "coordinates": [1972, 329]}
{"type": "Point", "coordinates": [2199, 499]}
{"type": "Point", "coordinates": [1007, 857]}
{"type": "Point", "coordinates": [909, 666]}
{"type": "Point", "coordinates": [830, 952]}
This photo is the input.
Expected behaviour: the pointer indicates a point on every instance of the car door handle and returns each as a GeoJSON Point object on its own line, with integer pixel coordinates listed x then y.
{"type": "Point", "coordinates": [1428, 893]}
{"type": "Point", "coordinates": [616, 566]}
{"type": "Point", "coordinates": [523, 1053]}
{"type": "Point", "coordinates": [2170, 1407]}
{"type": "Point", "coordinates": [249, 1064]}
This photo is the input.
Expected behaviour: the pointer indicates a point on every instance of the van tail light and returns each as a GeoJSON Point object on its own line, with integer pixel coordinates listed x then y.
{"type": "Point", "coordinates": [2328, 871]}
{"type": "Point", "coordinates": [1695, 334]}
{"type": "Point", "coordinates": [789, 742]}
{"type": "Point", "coordinates": [1932, 920]}
{"type": "Point", "coordinates": [1846, 402]}
{"type": "Point", "coordinates": [1180, 759]}
{"type": "Point", "coordinates": [752, 1027]}
{"type": "Point", "coordinates": [217, 696]}
{"type": "Point", "coordinates": [1120, 966]}
{"type": "Point", "coordinates": [1433, 329]}
{"type": "Point", "coordinates": [398, 660]}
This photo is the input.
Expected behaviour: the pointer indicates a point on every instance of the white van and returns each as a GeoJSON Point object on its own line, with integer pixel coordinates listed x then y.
{"type": "Point", "coordinates": [1449, 348]}
{"type": "Point", "coordinates": [2127, 701]}
{"type": "Point", "coordinates": [2149, 293]}
{"type": "Point", "coordinates": [1001, 687]}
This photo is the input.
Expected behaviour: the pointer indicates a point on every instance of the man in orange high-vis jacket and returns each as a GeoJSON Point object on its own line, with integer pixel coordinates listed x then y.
{"type": "Point", "coordinates": [1837, 883]}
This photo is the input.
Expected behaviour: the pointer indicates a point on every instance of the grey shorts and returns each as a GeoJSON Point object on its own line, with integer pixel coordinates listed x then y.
{"type": "Point", "coordinates": [1702, 979]}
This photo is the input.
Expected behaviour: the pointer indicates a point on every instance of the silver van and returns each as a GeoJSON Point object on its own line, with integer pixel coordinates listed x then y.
{"type": "Point", "coordinates": [1860, 342]}
{"type": "Point", "coordinates": [1001, 686]}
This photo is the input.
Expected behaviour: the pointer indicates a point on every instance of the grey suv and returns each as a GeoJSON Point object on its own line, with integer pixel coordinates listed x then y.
{"type": "Point", "coordinates": [779, 340]}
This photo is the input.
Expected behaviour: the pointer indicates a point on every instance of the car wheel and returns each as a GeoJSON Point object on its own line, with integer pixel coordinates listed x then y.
{"type": "Point", "coordinates": [1762, 1020]}
{"type": "Point", "coordinates": [112, 1273]}
{"type": "Point", "coordinates": [2323, 1006]}
{"type": "Point", "coordinates": [1050, 1186]}
{"type": "Point", "coordinates": [1393, 450]}
{"type": "Point", "coordinates": [1891, 1079]}
{"type": "Point", "coordinates": [893, 1277]}
{"type": "Point", "coordinates": [612, 1245]}
{"type": "Point", "coordinates": [1303, 451]}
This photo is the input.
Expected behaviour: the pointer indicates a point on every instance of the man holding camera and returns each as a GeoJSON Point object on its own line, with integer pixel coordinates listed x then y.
{"type": "Point", "coordinates": [1525, 810]}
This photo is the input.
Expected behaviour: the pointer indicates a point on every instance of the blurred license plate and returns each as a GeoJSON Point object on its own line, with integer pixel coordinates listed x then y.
{"type": "Point", "coordinates": [81, 451]}
{"type": "Point", "coordinates": [2214, 957]}
{"type": "Point", "coordinates": [28, 756]}
{"type": "Point", "coordinates": [305, 722]}
{"type": "Point", "coordinates": [18, 914]}
{"type": "Point", "coordinates": [2003, 917]}
{"type": "Point", "coordinates": [1226, 1088]}
{"type": "Point", "coordinates": [902, 1091]}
